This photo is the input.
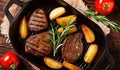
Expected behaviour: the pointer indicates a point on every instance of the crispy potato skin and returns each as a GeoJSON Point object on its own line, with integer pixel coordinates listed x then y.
{"type": "Point", "coordinates": [88, 33]}
{"type": "Point", "coordinates": [71, 66]}
{"type": "Point", "coordinates": [63, 21]}
{"type": "Point", "coordinates": [91, 53]}
{"type": "Point", "coordinates": [60, 30]}
{"type": "Point", "coordinates": [71, 30]}
{"type": "Point", "coordinates": [23, 30]}
{"type": "Point", "coordinates": [56, 12]}
{"type": "Point", "coordinates": [52, 63]}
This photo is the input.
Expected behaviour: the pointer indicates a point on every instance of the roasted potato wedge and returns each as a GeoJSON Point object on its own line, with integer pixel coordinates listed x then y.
{"type": "Point", "coordinates": [62, 21]}
{"type": "Point", "coordinates": [88, 33]}
{"type": "Point", "coordinates": [71, 30]}
{"type": "Point", "coordinates": [52, 63]}
{"type": "Point", "coordinates": [60, 30]}
{"type": "Point", "coordinates": [91, 52]}
{"type": "Point", "coordinates": [56, 12]}
{"type": "Point", "coordinates": [71, 66]}
{"type": "Point", "coordinates": [23, 30]}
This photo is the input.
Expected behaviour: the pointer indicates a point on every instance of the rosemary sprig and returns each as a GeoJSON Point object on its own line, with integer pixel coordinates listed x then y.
{"type": "Point", "coordinates": [57, 38]}
{"type": "Point", "coordinates": [113, 25]}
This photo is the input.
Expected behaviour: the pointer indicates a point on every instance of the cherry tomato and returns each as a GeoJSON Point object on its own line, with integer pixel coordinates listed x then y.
{"type": "Point", "coordinates": [104, 6]}
{"type": "Point", "coordinates": [9, 61]}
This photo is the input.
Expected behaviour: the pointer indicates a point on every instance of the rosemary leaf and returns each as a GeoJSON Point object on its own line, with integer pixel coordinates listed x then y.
{"type": "Point", "coordinates": [90, 13]}
{"type": "Point", "coordinates": [56, 38]}
{"type": "Point", "coordinates": [114, 26]}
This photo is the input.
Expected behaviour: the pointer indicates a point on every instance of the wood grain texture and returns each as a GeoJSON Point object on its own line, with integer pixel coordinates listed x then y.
{"type": "Point", "coordinates": [113, 38]}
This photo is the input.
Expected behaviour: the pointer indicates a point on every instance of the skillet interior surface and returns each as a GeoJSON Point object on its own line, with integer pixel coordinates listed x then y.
{"type": "Point", "coordinates": [47, 6]}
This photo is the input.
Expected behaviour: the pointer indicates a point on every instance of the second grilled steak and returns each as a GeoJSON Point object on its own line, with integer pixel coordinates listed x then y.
{"type": "Point", "coordinates": [38, 21]}
{"type": "Point", "coordinates": [38, 45]}
{"type": "Point", "coordinates": [72, 47]}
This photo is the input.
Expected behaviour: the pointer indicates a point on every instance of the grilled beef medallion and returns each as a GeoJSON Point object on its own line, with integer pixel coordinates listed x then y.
{"type": "Point", "coordinates": [38, 21]}
{"type": "Point", "coordinates": [72, 47]}
{"type": "Point", "coordinates": [38, 44]}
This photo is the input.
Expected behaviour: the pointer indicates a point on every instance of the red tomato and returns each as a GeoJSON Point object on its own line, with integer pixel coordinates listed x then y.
{"type": "Point", "coordinates": [104, 6]}
{"type": "Point", "coordinates": [9, 59]}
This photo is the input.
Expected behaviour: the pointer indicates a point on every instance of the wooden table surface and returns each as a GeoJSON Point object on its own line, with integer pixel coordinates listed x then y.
{"type": "Point", "coordinates": [113, 39]}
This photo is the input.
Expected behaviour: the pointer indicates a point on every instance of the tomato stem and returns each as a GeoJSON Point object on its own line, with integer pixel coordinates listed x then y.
{"type": "Point", "coordinates": [12, 67]}
{"type": "Point", "coordinates": [105, 6]}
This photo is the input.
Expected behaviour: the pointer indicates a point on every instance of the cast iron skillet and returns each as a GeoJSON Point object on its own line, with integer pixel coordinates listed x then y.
{"type": "Point", "coordinates": [48, 5]}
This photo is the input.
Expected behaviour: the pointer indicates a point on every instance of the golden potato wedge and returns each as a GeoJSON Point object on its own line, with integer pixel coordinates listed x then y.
{"type": "Point", "coordinates": [60, 30]}
{"type": "Point", "coordinates": [52, 63]}
{"type": "Point", "coordinates": [88, 33]}
{"type": "Point", "coordinates": [71, 66]}
{"type": "Point", "coordinates": [91, 52]}
{"type": "Point", "coordinates": [71, 30]}
{"type": "Point", "coordinates": [23, 30]}
{"type": "Point", "coordinates": [56, 12]}
{"type": "Point", "coordinates": [65, 20]}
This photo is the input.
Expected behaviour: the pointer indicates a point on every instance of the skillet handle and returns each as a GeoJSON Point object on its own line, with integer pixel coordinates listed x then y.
{"type": "Point", "coordinates": [9, 4]}
{"type": "Point", "coordinates": [110, 60]}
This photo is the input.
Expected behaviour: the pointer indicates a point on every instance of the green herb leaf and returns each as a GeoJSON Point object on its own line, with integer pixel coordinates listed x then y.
{"type": "Point", "coordinates": [90, 13]}
{"type": "Point", "coordinates": [114, 26]}
{"type": "Point", "coordinates": [56, 38]}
